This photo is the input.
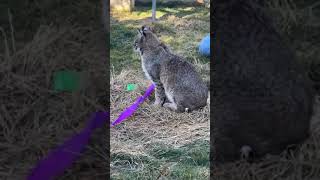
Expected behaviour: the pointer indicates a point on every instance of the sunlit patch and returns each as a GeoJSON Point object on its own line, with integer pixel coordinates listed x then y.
{"type": "Point", "coordinates": [135, 15]}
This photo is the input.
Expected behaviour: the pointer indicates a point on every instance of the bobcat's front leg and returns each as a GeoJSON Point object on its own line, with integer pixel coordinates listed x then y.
{"type": "Point", "coordinates": [160, 95]}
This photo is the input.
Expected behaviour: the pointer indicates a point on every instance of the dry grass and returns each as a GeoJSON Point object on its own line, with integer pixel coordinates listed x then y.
{"type": "Point", "coordinates": [167, 127]}
{"type": "Point", "coordinates": [33, 117]}
{"type": "Point", "coordinates": [150, 126]}
{"type": "Point", "coordinates": [303, 163]}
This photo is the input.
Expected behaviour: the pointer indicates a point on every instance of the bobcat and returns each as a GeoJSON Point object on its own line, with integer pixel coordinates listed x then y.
{"type": "Point", "coordinates": [263, 98]}
{"type": "Point", "coordinates": [178, 85]}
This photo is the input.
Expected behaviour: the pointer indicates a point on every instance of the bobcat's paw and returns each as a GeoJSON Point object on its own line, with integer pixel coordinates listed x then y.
{"type": "Point", "coordinates": [157, 104]}
{"type": "Point", "coordinates": [246, 152]}
{"type": "Point", "coordinates": [171, 106]}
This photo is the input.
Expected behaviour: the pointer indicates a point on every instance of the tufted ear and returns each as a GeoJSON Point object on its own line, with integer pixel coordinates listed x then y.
{"type": "Point", "coordinates": [140, 31]}
{"type": "Point", "coordinates": [144, 28]}
{"type": "Point", "coordinates": [152, 30]}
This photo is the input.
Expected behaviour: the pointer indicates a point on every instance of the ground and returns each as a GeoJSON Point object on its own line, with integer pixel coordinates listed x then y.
{"type": "Point", "coordinates": [155, 142]}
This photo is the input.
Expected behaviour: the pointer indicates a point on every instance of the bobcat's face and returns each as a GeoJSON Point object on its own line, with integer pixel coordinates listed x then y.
{"type": "Point", "coordinates": [145, 40]}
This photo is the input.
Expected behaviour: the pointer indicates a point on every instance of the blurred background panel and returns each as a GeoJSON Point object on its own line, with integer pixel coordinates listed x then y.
{"type": "Point", "coordinates": [39, 39]}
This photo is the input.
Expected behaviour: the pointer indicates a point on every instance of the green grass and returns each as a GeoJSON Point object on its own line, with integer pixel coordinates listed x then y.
{"type": "Point", "coordinates": [188, 162]}
{"type": "Point", "coordinates": [121, 48]}
{"type": "Point", "coordinates": [184, 41]}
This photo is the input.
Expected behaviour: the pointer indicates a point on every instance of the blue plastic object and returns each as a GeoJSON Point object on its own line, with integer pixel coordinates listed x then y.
{"type": "Point", "coordinates": [204, 46]}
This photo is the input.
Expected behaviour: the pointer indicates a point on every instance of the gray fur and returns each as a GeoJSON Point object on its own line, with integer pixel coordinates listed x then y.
{"type": "Point", "coordinates": [262, 97]}
{"type": "Point", "coordinates": [178, 85]}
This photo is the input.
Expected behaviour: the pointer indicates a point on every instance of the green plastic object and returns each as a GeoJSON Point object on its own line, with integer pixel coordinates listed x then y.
{"type": "Point", "coordinates": [131, 87]}
{"type": "Point", "coordinates": [67, 80]}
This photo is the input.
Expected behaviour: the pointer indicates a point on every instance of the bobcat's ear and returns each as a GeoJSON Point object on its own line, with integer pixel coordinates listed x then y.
{"type": "Point", "coordinates": [152, 29]}
{"type": "Point", "coordinates": [141, 32]}
{"type": "Point", "coordinates": [143, 29]}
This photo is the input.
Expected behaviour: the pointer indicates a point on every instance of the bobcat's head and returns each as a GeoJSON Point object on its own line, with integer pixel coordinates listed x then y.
{"type": "Point", "coordinates": [146, 39]}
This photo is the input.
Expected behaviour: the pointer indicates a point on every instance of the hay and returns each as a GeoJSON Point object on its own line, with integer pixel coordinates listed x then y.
{"type": "Point", "coordinates": [150, 125]}
{"type": "Point", "coordinates": [33, 117]}
{"type": "Point", "coordinates": [303, 163]}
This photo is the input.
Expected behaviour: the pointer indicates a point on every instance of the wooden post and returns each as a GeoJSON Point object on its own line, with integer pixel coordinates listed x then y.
{"type": "Point", "coordinates": [200, 1]}
{"type": "Point", "coordinates": [154, 10]}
